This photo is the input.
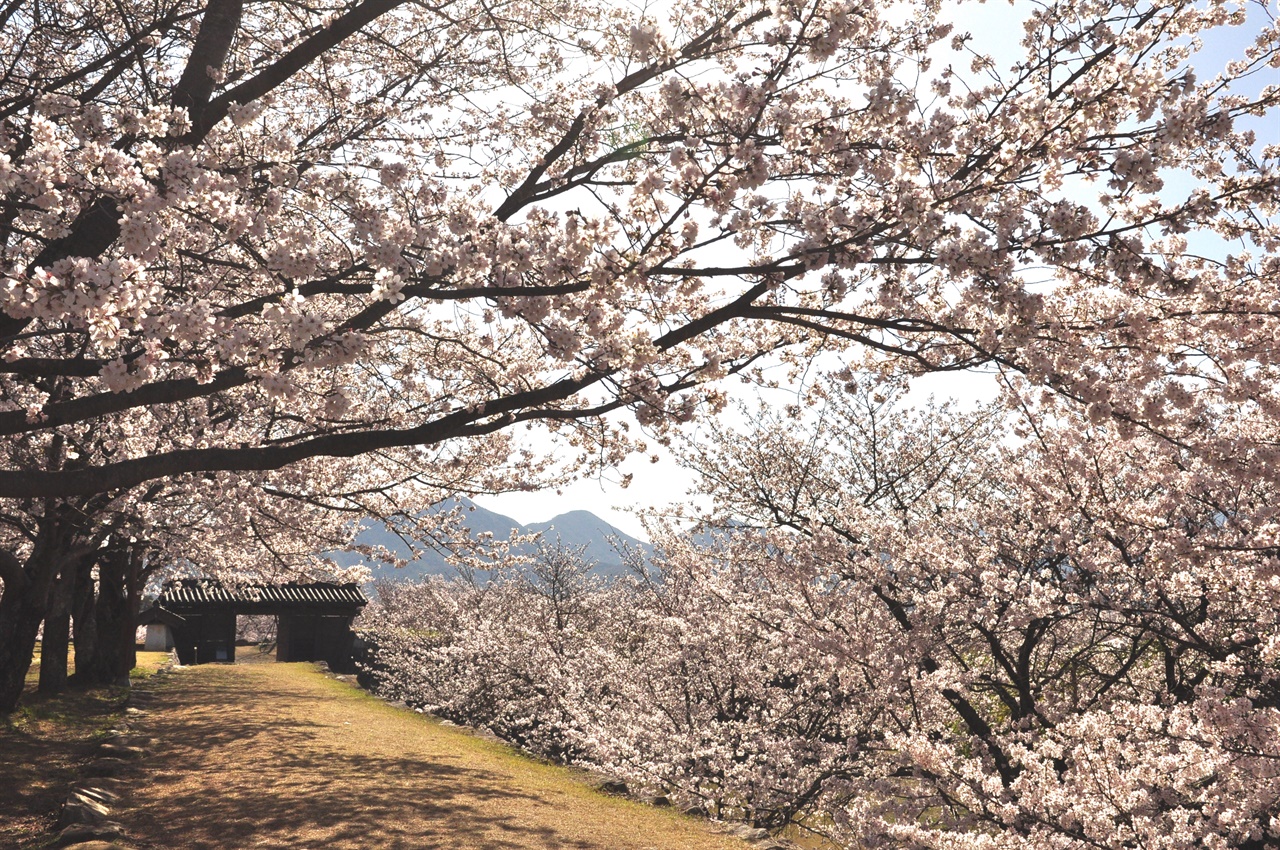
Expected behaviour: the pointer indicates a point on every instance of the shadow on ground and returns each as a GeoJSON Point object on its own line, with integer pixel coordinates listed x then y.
{"type": "Point", "coordinates": [36, 773]}
{"type": "Point", "coordinates": [250, 758]}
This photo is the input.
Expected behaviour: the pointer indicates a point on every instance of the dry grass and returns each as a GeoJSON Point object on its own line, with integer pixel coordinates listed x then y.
{"type": "Point", "coordinates": [42, 745]}
{"type": "Point", "coordinates": [280, 756]}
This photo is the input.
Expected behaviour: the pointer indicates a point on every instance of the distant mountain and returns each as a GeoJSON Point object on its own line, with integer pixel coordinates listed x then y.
{"type": "Point", "coordinates": [573, 529]}
{"type": "Point", "coordinates": [583, 528]}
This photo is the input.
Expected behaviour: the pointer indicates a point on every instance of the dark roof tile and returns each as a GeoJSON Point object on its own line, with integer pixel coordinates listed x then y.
{"type": "Point", "coordinates": [191, 592]}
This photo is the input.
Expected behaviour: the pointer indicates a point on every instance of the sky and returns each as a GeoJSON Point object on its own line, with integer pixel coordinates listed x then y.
{"type": "Point", "coordinates": [656, 485]}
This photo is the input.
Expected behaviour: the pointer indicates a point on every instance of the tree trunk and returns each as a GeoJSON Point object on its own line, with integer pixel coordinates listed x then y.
{"type": "Point", "coordinates": [19, 623]}
{"type": "Point", "coordinates": [22, 608]}
{"type": "Point", "coordinates": [116, 618]}
{"type": "Point", "coordinates": [84, 617]}
{"type": "Point", "coordinates": [57, 630]}
{"type": "Point", "coordinates": [135, 580]}
{"type": "Point", "coordinates": [13, 584]}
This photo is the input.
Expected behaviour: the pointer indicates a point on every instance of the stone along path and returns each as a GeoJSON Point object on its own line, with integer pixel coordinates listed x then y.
{"type": "Point", "coordinates": [281, 756]}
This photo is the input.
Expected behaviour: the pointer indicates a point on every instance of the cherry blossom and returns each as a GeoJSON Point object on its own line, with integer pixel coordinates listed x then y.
{"type": "Point", "coordinates": [910, 631]}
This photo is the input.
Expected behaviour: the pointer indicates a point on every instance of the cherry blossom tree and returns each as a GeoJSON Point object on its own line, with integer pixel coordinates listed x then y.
{"type": "Point", "coordinates": [241, 236]}
{"type": "Point", "coordinates": [705, 678]}
{"type": "Point", "coordinates": [90, 559]}
{"type": "Point", "coordinates": [507, 655]}
{"type": "Point", "coordinates": [932, 635]}
{"type": "Point", "coordinates": [376, 224]}
{"type": "Point", "coordinates": [234, 528]}
{"type": "Point", "coordinates": [1079, 653]}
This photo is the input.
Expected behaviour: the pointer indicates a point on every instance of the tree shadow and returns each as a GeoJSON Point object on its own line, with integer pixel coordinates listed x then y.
{"type": "Point", "coordinates": [265, 779]}
{"type": "Point", "coordinates": [42, 745]}
{"type": "Point", "coordinates": [36, 774]}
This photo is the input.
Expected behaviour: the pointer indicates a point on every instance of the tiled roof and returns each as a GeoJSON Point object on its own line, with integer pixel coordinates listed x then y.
{"type": "Point", "coordinates": [195, 593]}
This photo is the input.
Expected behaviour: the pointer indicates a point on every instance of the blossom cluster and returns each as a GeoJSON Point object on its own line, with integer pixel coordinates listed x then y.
{"type": "Point", "coordinates": [348, 235]}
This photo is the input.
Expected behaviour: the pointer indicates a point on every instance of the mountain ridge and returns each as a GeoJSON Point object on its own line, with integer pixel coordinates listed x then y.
{"type": "Point", "coordinates": [572, 529]}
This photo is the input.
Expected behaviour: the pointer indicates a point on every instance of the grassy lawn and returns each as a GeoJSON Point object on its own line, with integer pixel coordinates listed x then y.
{"type": "Point", "coordinates": [42, 745]}
{"type": "Point", "coordinates": [279, 756]}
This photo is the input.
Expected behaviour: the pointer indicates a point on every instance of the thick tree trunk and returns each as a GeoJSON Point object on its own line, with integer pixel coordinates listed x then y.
{"type": "Point", "coordinates": [20, 617]}
{"type": "Point", "coordinates": [116, 617]}
{"type": "Point", "coordinates": [22, 608]}
{"type": "Point", "coordinates": [57, 632]}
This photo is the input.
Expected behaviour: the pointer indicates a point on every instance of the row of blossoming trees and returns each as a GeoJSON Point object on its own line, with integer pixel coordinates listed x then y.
{"type": "Point", "coordinates": [269, 267]}
{"type": "Point", "coordinates": [911, 633]}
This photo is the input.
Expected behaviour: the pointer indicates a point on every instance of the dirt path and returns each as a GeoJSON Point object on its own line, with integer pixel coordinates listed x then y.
{"type": "Point", "coordinates": [280, 756]}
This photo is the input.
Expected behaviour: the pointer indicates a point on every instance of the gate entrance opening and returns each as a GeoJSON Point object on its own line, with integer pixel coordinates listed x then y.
{"type": "Point", "coordinates": [314, 620]}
